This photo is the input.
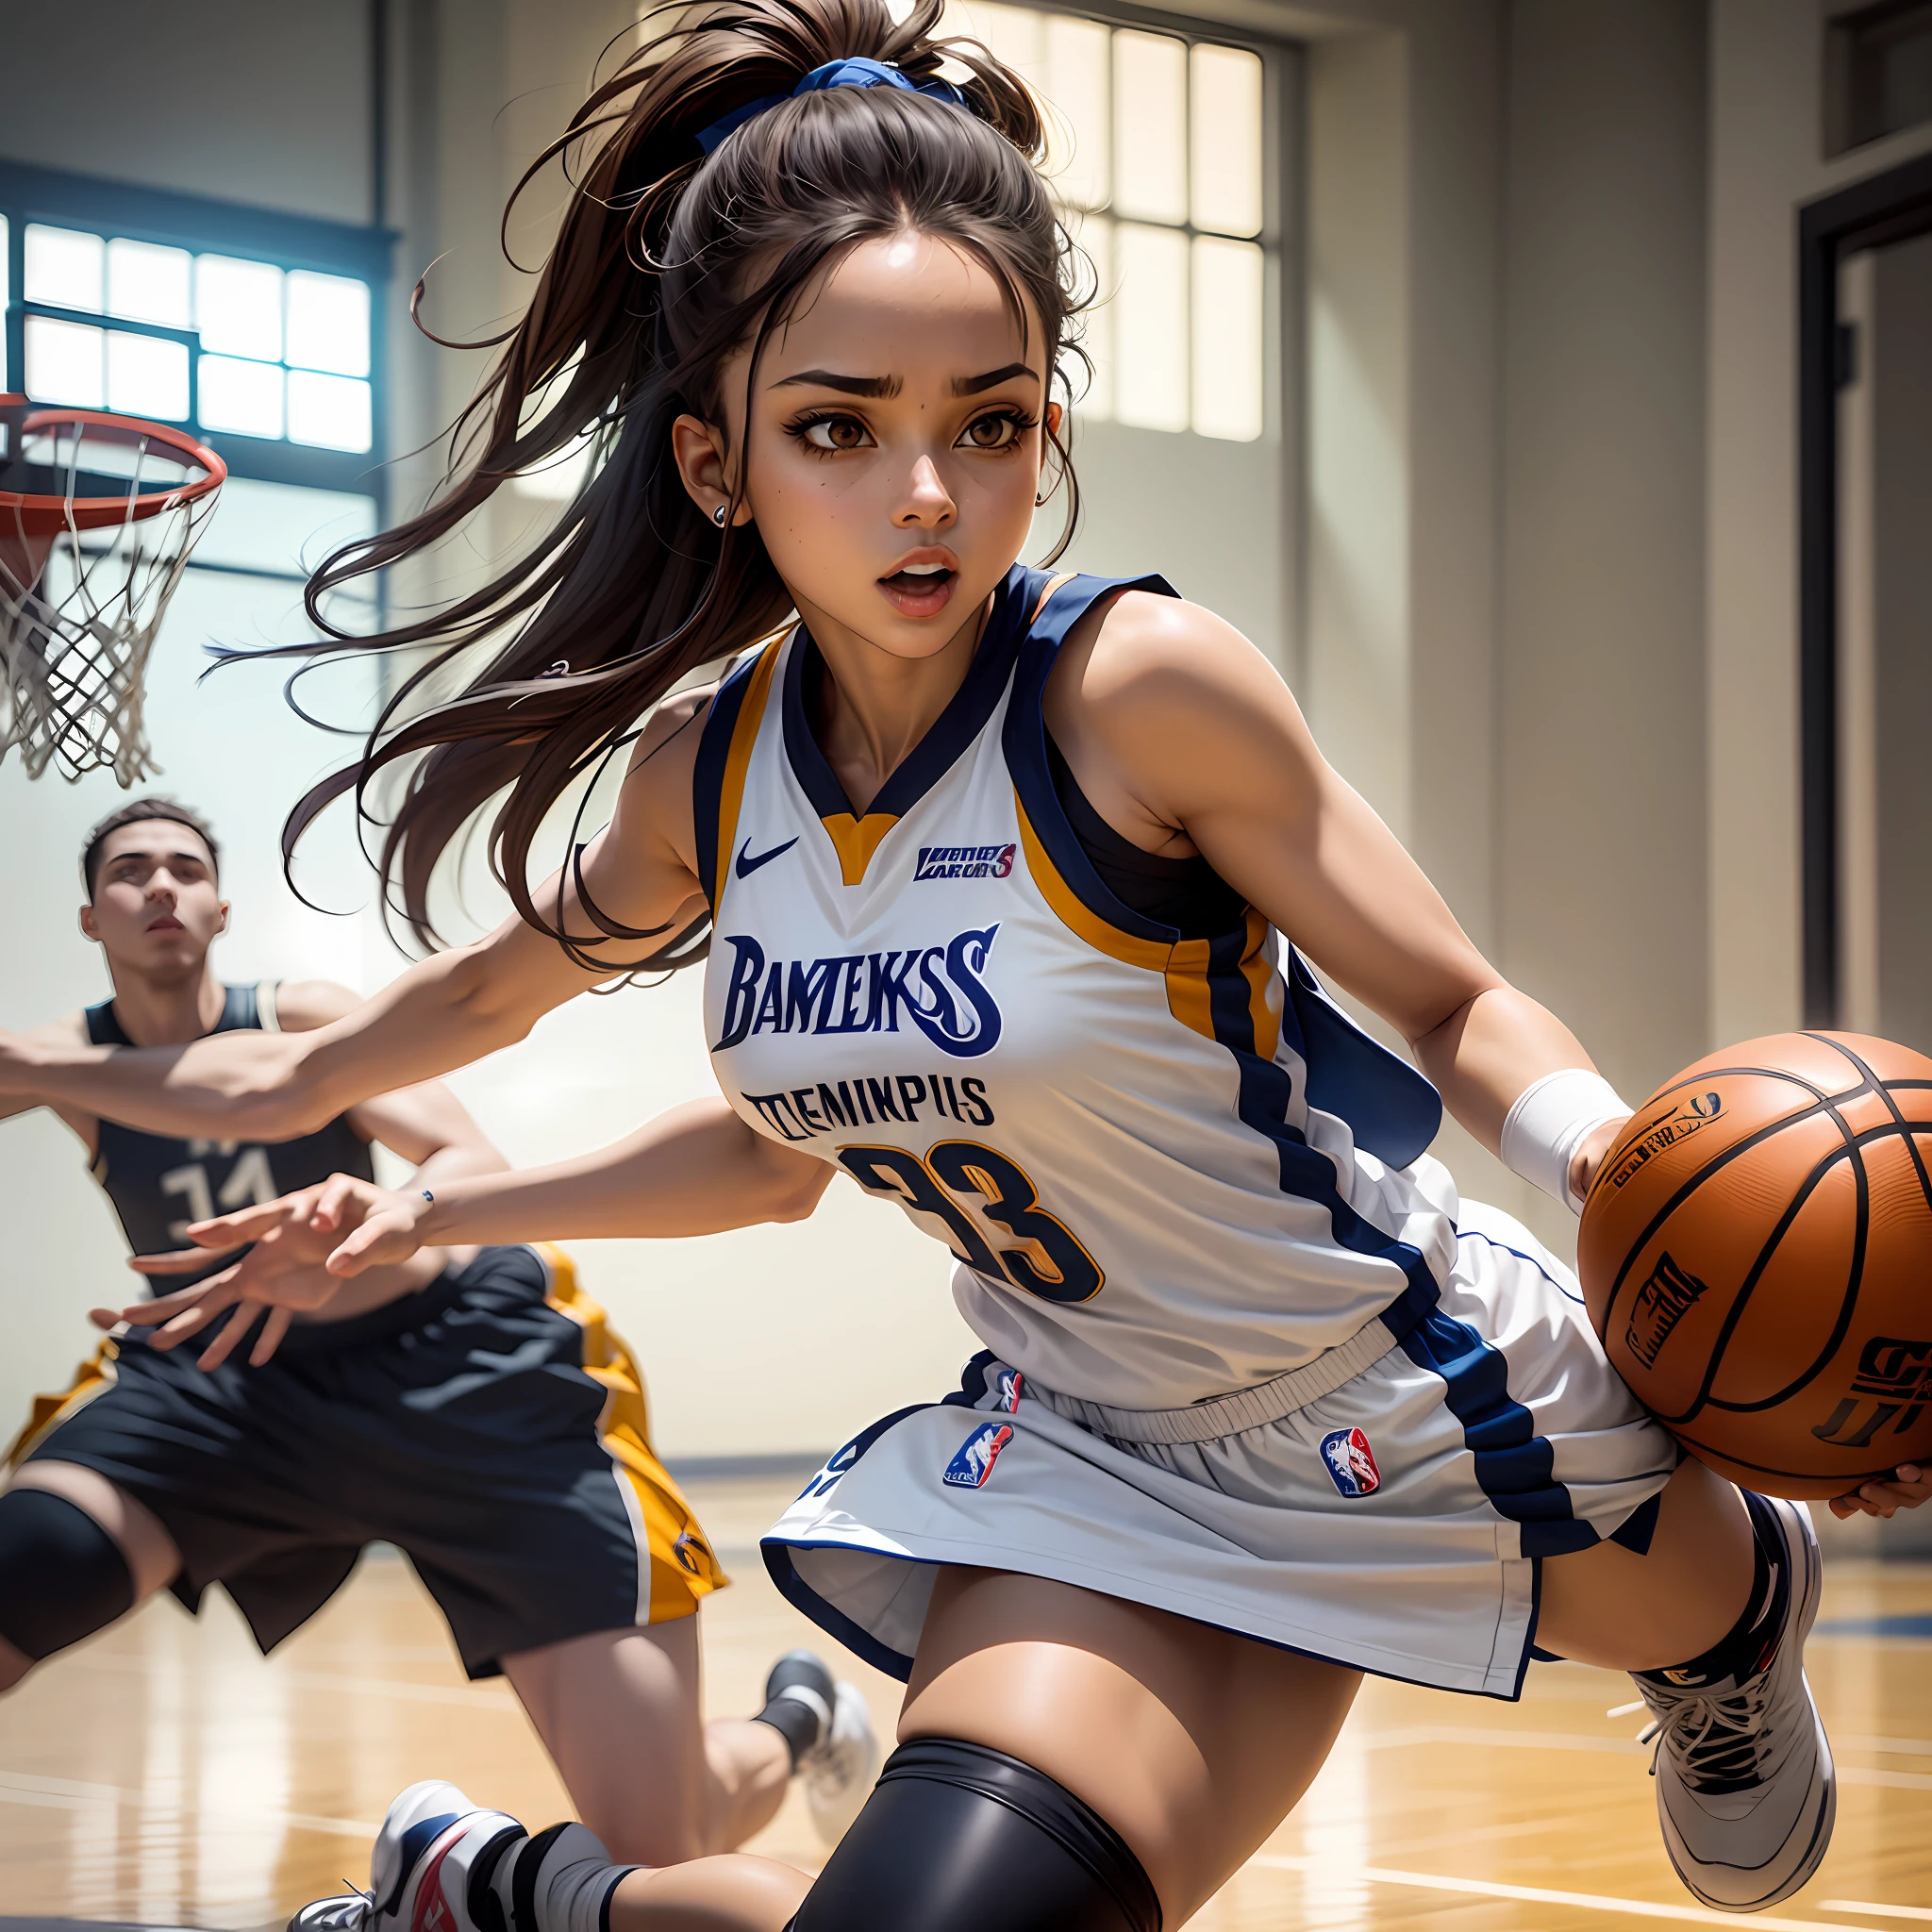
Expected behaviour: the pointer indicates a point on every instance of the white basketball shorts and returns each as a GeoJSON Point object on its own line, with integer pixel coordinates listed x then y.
{"type": "Point", "coordinates": [1384, 1507]}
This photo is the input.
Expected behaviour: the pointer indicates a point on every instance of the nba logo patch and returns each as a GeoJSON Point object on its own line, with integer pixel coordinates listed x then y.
{"type": "Point", "coordinates": [1010, 1382]}
{"type": "Point", "coordinates": [977, 1454]}
{"type": "Point", "coordinates": [1351, 1462]}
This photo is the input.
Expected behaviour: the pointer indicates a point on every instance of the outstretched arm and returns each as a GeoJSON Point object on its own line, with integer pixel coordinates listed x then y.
{"type": "Point", "coordinates": [424, 1124]}
{"type": "Point", "coordinates": [443, 1014]}
{"type": "Point", "coordinates": [695, 1170]}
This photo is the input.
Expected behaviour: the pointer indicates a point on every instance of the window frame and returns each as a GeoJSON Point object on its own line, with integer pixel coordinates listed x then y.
{"type": "Point", "coordinates": [1280, 236]}
{"type": "Point", "coordinates": [125, 209]}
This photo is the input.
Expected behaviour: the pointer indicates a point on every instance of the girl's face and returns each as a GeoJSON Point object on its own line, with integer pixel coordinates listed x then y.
{"type": "Point", "coordinates": [897, 437]}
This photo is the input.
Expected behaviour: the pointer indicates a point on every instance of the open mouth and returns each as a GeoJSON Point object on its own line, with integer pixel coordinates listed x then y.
{"type": "Point", "coordinates": [917, 590]}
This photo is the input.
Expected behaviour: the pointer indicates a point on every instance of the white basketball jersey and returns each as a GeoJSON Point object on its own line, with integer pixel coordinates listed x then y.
{"type": "Point", "coordinates": [1168, 1167]}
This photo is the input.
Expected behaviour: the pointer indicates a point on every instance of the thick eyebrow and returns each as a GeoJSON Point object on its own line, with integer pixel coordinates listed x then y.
{"type": "Point", "coordinates": [157, 859]}
{"type": "Point", "coordinates": [882, 386]}
{"type": "Point", "coordinates": [972, 385]}
{"type": "Point", "coordinates": [886, 387]}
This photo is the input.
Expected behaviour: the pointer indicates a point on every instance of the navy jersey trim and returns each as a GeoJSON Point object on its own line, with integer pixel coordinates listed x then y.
{"type": "Point", "coordinates": [802, 1596]}
{"type": "Point", "coordinates": [1023, 742]}
{"type": "Point", "coordinates": [946, 740]}
{"type": "Point", "coordinates": [239, 1014]}
{"type": "Point", "coordinates": [1391, 1109]}
{"type": "Point", "coordinates": [1476, 1234]}
{"type": "Point", "coordinates": [714, 752]}
{"type": "Point", "coordinates": [1514, 1465]}
{"type": "Point", "coordinates": [1264, 1092]}
{"type": "Point", "coordinates": [820, 783]}
{"type": "Point", "coordinates": [834, 1623]}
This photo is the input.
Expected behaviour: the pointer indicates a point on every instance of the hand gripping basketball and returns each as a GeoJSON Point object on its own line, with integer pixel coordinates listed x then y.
{"type": "Point", "coordinates": [1756, 1253]}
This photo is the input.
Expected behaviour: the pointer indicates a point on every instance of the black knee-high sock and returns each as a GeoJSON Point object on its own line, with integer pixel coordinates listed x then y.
{"type": "Point", "coordinates": [1748, 1645]}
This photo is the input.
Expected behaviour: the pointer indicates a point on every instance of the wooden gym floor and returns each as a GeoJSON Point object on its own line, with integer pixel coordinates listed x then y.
{"type": "Point", "coordinates": [165, 1774]}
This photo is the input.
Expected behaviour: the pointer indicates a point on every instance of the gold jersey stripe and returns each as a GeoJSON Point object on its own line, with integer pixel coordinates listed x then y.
{"type": "Point", "coordinates": [856, 840]}
{"type": "Point", "coordinates": [1183, 963]}
{"type": "Point", "coordinates": [744, 734]}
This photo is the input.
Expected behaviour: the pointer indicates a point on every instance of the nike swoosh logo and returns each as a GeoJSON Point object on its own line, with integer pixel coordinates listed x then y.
{"type": "Point", "coordinates": [747, 864]}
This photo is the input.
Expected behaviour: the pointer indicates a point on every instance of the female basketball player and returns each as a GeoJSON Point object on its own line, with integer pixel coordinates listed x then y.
{"type": "Point", "coordinates": [995, 865]}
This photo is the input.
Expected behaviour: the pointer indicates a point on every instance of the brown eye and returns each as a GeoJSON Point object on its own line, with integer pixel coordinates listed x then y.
{"type": "Point", "coordinates": [993, 432]}
{"type": "Point", "coordinates": [837, 432]}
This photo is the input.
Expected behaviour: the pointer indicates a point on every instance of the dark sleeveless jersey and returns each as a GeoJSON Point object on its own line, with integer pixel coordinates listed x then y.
{"type": "Point", "coordinates": [159, 1183]}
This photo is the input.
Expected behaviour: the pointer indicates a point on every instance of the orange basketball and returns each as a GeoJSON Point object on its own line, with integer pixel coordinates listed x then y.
{"type": "Point", "coordinates": [1756, 1256]}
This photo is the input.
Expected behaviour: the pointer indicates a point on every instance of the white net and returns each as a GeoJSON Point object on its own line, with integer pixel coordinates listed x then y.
{"type": "Point", "coordinates": [88, 564]}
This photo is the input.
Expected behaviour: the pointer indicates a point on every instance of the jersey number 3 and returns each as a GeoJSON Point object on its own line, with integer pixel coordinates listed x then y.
{"type": "Point", "coordinates": [956, 1175]}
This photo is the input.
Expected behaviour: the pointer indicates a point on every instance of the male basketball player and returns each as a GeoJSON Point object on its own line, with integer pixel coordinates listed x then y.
{"type": "Point", "coordinates": [467, 1406]}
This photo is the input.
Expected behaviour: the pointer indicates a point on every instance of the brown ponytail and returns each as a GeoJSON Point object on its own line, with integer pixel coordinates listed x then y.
{"type": "Point", "coordinates": [649, 287]}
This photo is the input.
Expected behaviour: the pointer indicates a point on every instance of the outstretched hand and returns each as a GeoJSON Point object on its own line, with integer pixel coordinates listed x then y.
{"type": "Point", "coordinates": [298, 1260]}
{"type": "Point", "coordinates": [1910, 1484]}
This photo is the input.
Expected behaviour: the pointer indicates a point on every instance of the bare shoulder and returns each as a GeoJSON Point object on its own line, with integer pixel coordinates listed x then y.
{"type": "Point", "coordinates": [303, 1005]}
{"type": "Point", "coordinates": [665, 755]}
{"type": "Point", "coordinates": [656, 803]}
{"type": "Point", "coordinates": [1141, 652]}
{"type": "Point", "coordinates": [681, 709]}
{"type": "Point", "coordinates": [70, 1029]}
{"type": "Point", "coordinates": [1175, 702]}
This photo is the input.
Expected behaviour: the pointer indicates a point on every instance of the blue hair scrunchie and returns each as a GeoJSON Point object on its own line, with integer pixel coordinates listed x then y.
{"type": "Point", "coordinates": [854, 72]}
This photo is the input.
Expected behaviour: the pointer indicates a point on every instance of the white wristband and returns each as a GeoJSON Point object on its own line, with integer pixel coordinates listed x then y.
{"type": "Point", "coordinates": [1551, 1119]}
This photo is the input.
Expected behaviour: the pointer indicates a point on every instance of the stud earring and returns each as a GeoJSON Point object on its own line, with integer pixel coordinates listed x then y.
{"type": "Point", "coordinates": [718, 516]}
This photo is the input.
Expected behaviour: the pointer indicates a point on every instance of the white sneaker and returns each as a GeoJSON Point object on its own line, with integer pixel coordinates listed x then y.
{"type": "Point", "coordinates": [840, 1774]}
{"type": "Point", "coordinates": [1745, 1784]}
{"type": "Point", "coordinates": [839, 1769]}
{"type": "Point", "coordinates": [419, 1871]}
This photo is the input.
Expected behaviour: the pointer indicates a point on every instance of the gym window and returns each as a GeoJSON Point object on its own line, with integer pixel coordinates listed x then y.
{"type": "Point", "coordinates": [252, 348]}
{"type": "Point", "coordinates": [1175, 217]}
{"type": "Point", "coordinates": [254, 331]}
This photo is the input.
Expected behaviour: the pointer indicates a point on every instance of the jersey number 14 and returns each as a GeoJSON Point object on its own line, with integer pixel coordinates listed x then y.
{"type": "Point", "coordinates": [249, 1185]}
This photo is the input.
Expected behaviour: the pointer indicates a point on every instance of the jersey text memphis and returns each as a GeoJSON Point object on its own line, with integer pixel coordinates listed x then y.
{"type": "Point", "coordinates": [1169, 1168]}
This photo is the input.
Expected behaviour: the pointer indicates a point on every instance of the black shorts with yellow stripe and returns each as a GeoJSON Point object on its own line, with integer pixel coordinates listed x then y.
{"type": "Point", "coordinates": [490, 1427]}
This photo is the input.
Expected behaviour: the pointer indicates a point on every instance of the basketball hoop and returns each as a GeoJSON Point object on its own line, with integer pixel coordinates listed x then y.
{"type": "Point", "coordinates": [97, 516]}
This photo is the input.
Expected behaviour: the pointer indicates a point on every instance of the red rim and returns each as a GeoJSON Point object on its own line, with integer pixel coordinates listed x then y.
{"type": "Point", "coordinates": [41, 516]}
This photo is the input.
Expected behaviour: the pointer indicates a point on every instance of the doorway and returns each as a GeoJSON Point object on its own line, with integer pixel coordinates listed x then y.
{"type": "Point", "coordinates": [1885, 641]}
{"type": "Point", "coordinates": [1865, 341]}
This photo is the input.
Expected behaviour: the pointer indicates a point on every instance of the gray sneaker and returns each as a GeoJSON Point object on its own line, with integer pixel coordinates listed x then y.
{"type": "Point", "coordinates": [1744, 1785]}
